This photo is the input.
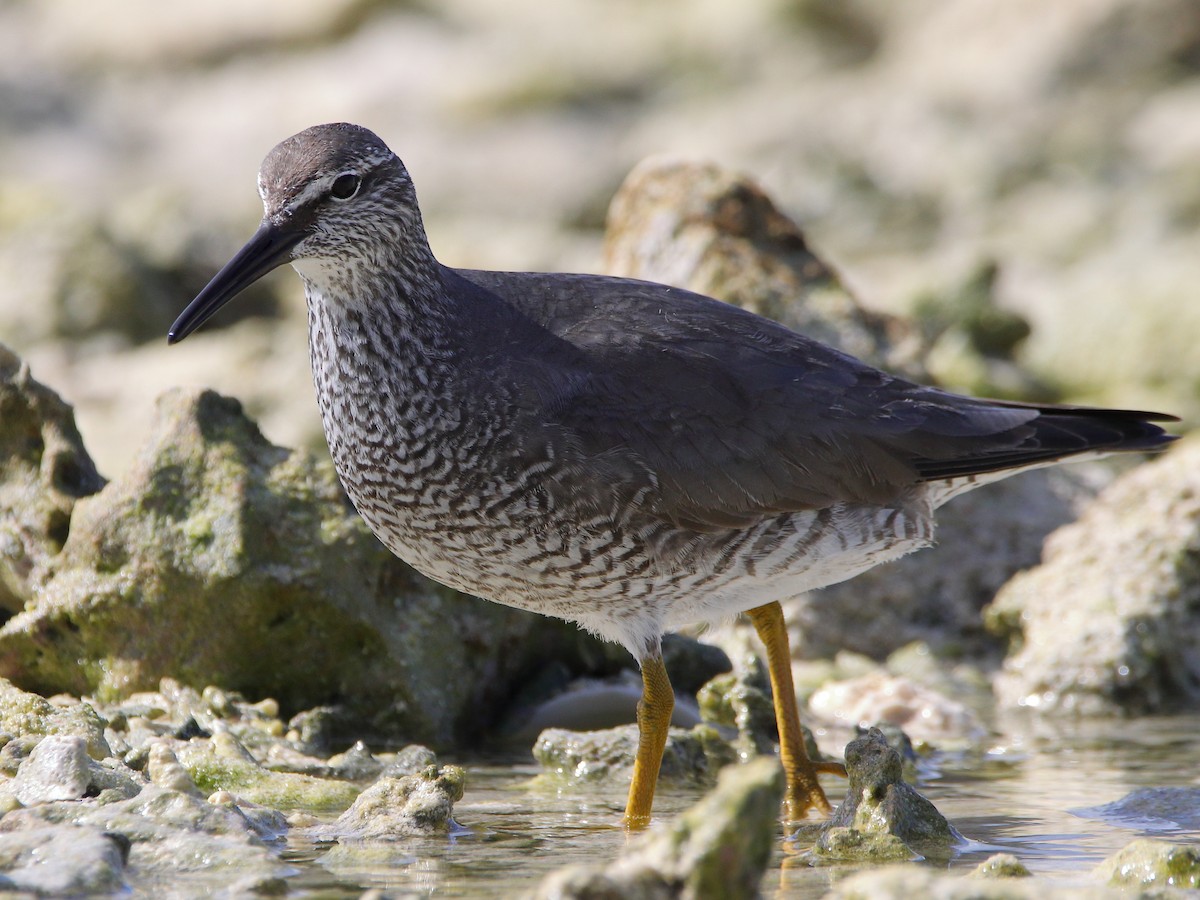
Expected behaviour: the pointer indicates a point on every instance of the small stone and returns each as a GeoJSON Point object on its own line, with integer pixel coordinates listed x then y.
{"type": "Point", "coordinates": [400, 807]}
{"type": "Point", "coordinates": [167, 772]}
{"type": "Point", "coordinates": [57, 769]}
{"type": "Point", "coordinates": [1001, 865]}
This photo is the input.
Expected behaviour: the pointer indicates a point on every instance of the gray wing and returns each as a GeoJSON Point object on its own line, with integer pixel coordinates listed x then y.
{"type": "Point", "coordinates": [720, 417]}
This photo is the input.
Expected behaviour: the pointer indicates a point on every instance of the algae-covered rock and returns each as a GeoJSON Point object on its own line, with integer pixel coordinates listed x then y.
{"type": "Point", "coordinates": [223, 764]}
{"type": "Point", "coordinates": [1146, 863]}
{"type": "Point", "coordinates": [576, 757]}
{"type": "Point", "coordinates": [219, 557]}
{"type": "Point", "coordinates": [883, 818]}
{"type": "Point", "coordinates": [1001, 865]}
{"type": "Point", "coordinates": [44, 470]}
{"type": "Point", "coordinates": [700, 227]}
{"type": "Point", "coordinates": [402, 807]}
{"type": "Point", "coordinates": [23, 714]}
{"type": "Point", "coordinates": [1110, 620]}
{"type": "Point", "coordinates": [716, 850]}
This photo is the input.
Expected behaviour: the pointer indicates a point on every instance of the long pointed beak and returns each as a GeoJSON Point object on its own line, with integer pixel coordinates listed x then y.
{"type": "Point", "coordinates": [270, 248]}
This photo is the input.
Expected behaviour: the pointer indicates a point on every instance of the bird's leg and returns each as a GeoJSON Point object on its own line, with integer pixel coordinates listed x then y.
{"type": "Point", "coordinates": [653, 717]}
{"type": "Point", "coordinates": [803, 789]}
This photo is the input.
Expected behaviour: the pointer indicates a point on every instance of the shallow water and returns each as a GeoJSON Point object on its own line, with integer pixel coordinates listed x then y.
{"type": "Point", "coordinates": [1016, 797]}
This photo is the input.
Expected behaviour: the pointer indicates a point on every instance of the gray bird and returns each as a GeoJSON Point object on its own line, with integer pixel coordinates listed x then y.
{"type": "Point", "coordinates": [626, 455]}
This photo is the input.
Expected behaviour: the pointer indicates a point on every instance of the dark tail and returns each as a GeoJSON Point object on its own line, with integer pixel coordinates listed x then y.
{"type": "Point", "coordinates": [1056, 432]}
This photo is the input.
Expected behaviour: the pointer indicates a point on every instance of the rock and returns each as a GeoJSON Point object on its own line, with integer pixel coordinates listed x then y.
{"type": "Point", "coordinates": [697, 226]}
{"type": "Point", "coordinates": [742, 702]}
{"type": "Point", "coordinates": [935, 595]}
{"type": "Point", "coordinates": [691, 663]}
{"type": "Point", "coordinates": [924, 714]}
{"type": "Point", "coordinates": [173, 838]}
{"type": "Point", "coordinates": [1000, 866]}
{"type": "Point", "coordinates": [1163, 809]}
{"type": "Point", "coordinates": [412, 759]}
{"type": "Point", "coordinates": [63, 861]}
{"type": "Point", "coordinates": [883, 818]}
{"type": "Point", "coordinates": [223, 764]}
{"type": "Point", "coordinates": [28, 715]}
{"type": "Point", "coordinates": [261, 536]}
{"type": "Point", "coordinates": [1145, 863]}
{"type": "Point", "coordinates": [57, 769]}
{"type": "Point", "coordinates": [1109, 621]}
{"type": "Point", "coordinates": [592, 757]}
{"type": "Point", "coordinates": [44, 470]}
{"type": "Point", "coordinates": [403, 807]}
{"type": "Point", "coordinates": [719, 848]}
{"type": "Point", "coordinates": [355, 764]}
{"type": "Point", "coordinates": [168, 773]}
{"type": "Point", "coordinates": [904, 882]}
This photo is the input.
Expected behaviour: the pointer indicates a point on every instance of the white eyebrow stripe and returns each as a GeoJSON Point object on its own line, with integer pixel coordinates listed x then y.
{"type": "Point", "coordinates": [321, 186]}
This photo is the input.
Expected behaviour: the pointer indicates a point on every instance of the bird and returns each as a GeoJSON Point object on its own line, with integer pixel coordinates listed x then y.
{"type": "Point", "coordinates": [622, 454]}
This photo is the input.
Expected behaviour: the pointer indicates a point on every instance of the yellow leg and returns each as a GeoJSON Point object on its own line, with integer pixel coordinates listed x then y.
{"type": "Point", "coordinates": [654, 717]}
{"type": "Point", "coordinates": [803, 789]}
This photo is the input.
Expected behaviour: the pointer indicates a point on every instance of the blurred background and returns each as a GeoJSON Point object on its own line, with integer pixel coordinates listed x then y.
{"type": "Point", "coordinates": [1044, 154]}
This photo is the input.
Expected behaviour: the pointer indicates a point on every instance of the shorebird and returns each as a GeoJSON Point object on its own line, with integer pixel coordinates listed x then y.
{"type": "Point", "coordinates": [623, 454]}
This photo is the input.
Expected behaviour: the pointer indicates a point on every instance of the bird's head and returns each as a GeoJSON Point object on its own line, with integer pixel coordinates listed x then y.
{"type": "Point", "coordinates": [336, 201]}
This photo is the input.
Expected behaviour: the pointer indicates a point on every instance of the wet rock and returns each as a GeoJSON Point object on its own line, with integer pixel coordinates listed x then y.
{"type": "Point", "coordinates": [223, 764]}
{"type": "Point", "coordinates": [261, 536]}
{"type": "Point", "coordinates": [63, 861]}
{"type": "Point", "coordinates": [1162, 809]}
{"type": "Point", "coordinates": [44, 470]}
{"type": "Point", "coordinates": [882, 817]}
{"type": "Point", "coordinates": [1001, 865]}
{"type": "Point", "coordinates": [1146, 863]}
{"type": "Point", "coordinates": [590, 757]}
{"type": "Point", "coordinates": [174, 838]}
{"type": "Point", "coordinates": [935, 595]}
{"type": "Point", "coordinates": [1109, 621]}
{"type": "Point", "coordinates": [719, 848]}
{"type": "Point", "coordinates": [403, 807]}
{"type": "Point", "coordinates": [697, 226]}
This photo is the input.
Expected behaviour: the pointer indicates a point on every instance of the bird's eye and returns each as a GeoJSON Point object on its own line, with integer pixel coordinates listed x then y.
{"type": "Point", "coordinates": [345, 186]}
